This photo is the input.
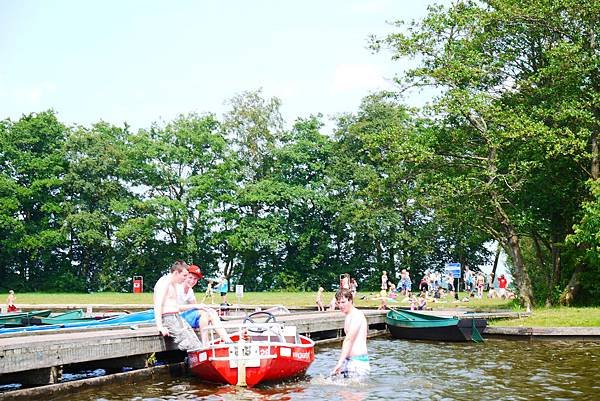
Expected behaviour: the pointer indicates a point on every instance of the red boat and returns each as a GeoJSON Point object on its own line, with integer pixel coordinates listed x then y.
{"type": "Point", "coordinates": [259, 352]}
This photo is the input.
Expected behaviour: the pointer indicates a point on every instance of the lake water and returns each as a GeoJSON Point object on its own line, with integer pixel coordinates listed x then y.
{"type": "Point", "coordinates": [403, 370]}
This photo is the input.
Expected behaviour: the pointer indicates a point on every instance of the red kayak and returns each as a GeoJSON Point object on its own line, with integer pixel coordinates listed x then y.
{"type": "Point", "coordinates": [259, 352]}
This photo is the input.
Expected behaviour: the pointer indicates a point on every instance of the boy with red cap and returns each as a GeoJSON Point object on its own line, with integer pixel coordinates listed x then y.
{"type": "Point", "coordinates": [202, 315]}
{"type": "Point", "coordinates": [167, 310]}
{"type": "Point", "coordinates": [185, 293]}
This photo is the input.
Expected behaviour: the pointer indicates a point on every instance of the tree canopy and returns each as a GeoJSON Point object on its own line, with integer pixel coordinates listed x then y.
{"type": "Point", "coordinates": [506, 152]}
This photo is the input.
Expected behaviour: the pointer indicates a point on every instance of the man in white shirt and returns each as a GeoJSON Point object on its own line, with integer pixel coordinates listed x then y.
{"type": "Point", "coordinates": [201, 316]}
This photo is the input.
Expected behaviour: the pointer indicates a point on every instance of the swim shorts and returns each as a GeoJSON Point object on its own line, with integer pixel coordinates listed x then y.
{"type": "Point", "coordinates": [356, 367]}
{"type": "Point", "coordinates": [183, 335]}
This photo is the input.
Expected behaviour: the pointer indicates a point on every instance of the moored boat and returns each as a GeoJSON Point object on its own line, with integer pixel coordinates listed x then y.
{"type": "Point", "coordinates": [258, 352]}
{"type": "Point", "coordinates": [420, 326]}
{"type": "Point", "coordinates": [126, 320]}
{"type": "Point", "coordinates": [21, 318]}
{"type": "Point", "coordinates": [72, 316]}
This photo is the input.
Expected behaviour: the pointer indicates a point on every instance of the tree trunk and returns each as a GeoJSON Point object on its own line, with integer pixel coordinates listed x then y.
{"type": "Point", "coordinates": [496, 259]}
{"type": "Point", "coordinates": [539, 253]}
{"type": "Point", "coordinates": [391, 264]}
{"type": "Point", "coordinates": [555, 276]}
{"type": "Point", "coordinates": [570, 293]}
{"type": "Point", "coordinates": [513, 245]}
{"type": "Point", "coordinates": [522, 281]}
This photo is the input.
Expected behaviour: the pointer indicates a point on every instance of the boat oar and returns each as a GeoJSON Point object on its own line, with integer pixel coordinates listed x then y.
{"type": "Point", "coordinates": [475, 334]}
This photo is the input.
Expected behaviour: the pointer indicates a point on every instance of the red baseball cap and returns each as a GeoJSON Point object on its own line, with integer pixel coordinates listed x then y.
{"type": "Point", "coordinates": [195, 270]}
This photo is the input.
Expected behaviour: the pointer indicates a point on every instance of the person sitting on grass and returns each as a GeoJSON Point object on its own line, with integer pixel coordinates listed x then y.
{"type": "Point", "coordinates": [393, 292]}
{"type": "Point", "coordinates": [419, 303]}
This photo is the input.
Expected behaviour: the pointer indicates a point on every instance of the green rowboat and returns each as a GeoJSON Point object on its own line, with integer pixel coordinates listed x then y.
{"type": "Point", "coordinates": [17, 318]}
{"type": "Point", "coordinates": [420, 326]}
{"type": "Point", "coordinates": [72, 316]}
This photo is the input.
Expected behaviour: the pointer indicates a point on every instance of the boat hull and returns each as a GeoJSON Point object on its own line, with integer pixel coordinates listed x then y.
{"type": "Point", "coordinates": [73, 316]}
{"type": "Point", "coordinates": [260, 361]}
{"type": "Point", "coordinates": [22, 318]}
{"type": "Point", "coordinates": [415, 326]}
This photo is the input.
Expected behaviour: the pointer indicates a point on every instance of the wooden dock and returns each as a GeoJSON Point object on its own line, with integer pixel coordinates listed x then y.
{"type": "Point", "coordinates": [39, 357]}
{"type": "Point", "coordinates": [544, 333]}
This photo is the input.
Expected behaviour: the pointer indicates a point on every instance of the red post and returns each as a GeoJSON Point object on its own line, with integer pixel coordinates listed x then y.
{"type": "Point", "coordinates": [138, 284]}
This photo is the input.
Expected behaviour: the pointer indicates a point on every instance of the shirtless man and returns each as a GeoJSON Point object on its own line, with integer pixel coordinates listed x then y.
{"type": "Point", "coordinates": [354, 358]}
{"type": "Point", "coordinates": [166, 309]}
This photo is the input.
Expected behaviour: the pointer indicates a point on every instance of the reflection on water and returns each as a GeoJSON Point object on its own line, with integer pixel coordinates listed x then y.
{"type": "Point", "coordinates": [403, 370]}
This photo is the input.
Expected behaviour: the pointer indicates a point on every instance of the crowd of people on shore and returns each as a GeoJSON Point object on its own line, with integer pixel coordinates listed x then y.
{"type": "Point", "coordinates": [433, 287]}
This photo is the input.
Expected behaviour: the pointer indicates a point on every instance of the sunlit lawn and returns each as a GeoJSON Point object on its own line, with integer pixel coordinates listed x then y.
{"type": "Point", "coordinates": [298, 299]}
{"type": "Point", "coordinates": [541, 317]}
{"type": "Point", "coordinates": [557, 317]}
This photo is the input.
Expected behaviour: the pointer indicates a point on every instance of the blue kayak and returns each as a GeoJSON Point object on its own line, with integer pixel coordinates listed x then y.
{"type": "Point", "coordinates": [191, 316]}
{"type": "Point", "coordinates": [122, 320]}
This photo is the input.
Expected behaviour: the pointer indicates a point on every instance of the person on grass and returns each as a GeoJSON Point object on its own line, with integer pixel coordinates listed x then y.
{"type": "Point", "coordinates": [319, 300]}
{"type": "Point", "coordinates": [10, 302]}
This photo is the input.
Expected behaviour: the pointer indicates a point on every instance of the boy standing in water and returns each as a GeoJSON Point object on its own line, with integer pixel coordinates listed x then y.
{"type": "Point", "coordinates": [354, 358]}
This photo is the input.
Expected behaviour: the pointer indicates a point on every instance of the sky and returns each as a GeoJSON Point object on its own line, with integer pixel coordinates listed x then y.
{"type": "Point", "coordinates": [146, 61]}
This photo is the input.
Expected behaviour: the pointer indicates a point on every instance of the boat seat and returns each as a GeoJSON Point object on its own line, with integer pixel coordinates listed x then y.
{"type": "Point", "coordinates": [268, 335]}
{"type": "Point", "coordinates": [290, 334]}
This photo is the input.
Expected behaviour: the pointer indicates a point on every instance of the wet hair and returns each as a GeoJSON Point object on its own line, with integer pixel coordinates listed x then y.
{"type": "Point", "coordinates": [179, 266]}
{"type": "Point", "coordinates": [344, 293]}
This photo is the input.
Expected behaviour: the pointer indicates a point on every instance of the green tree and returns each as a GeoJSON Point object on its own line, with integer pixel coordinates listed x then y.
{"type": "Point", "coordinates": [387, 215]}
{"type": "Point", "coordinates": [176, 172]}
{"type": "Point", "coordinates": [32, 165]}
{"type": "Point", "coordinates": [495, 63]}
{"type": "Point", "coordinates": [97, 187]}
{"type": "Point", "coordinates": [254, 127]}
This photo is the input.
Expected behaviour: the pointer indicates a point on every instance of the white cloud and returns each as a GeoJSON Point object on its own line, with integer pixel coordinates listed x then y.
{"type": "Point", "coordinates": [348, 77]}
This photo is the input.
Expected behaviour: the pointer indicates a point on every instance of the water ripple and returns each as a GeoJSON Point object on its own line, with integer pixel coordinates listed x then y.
{"type": "Point", "coordinates": [403, 370]}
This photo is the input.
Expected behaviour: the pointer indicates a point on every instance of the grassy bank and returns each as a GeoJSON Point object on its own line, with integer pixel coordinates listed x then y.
{"type": "Point", "coordinates": [299, 299]}
{"type": "Point", "coordinates": [541, 317]}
